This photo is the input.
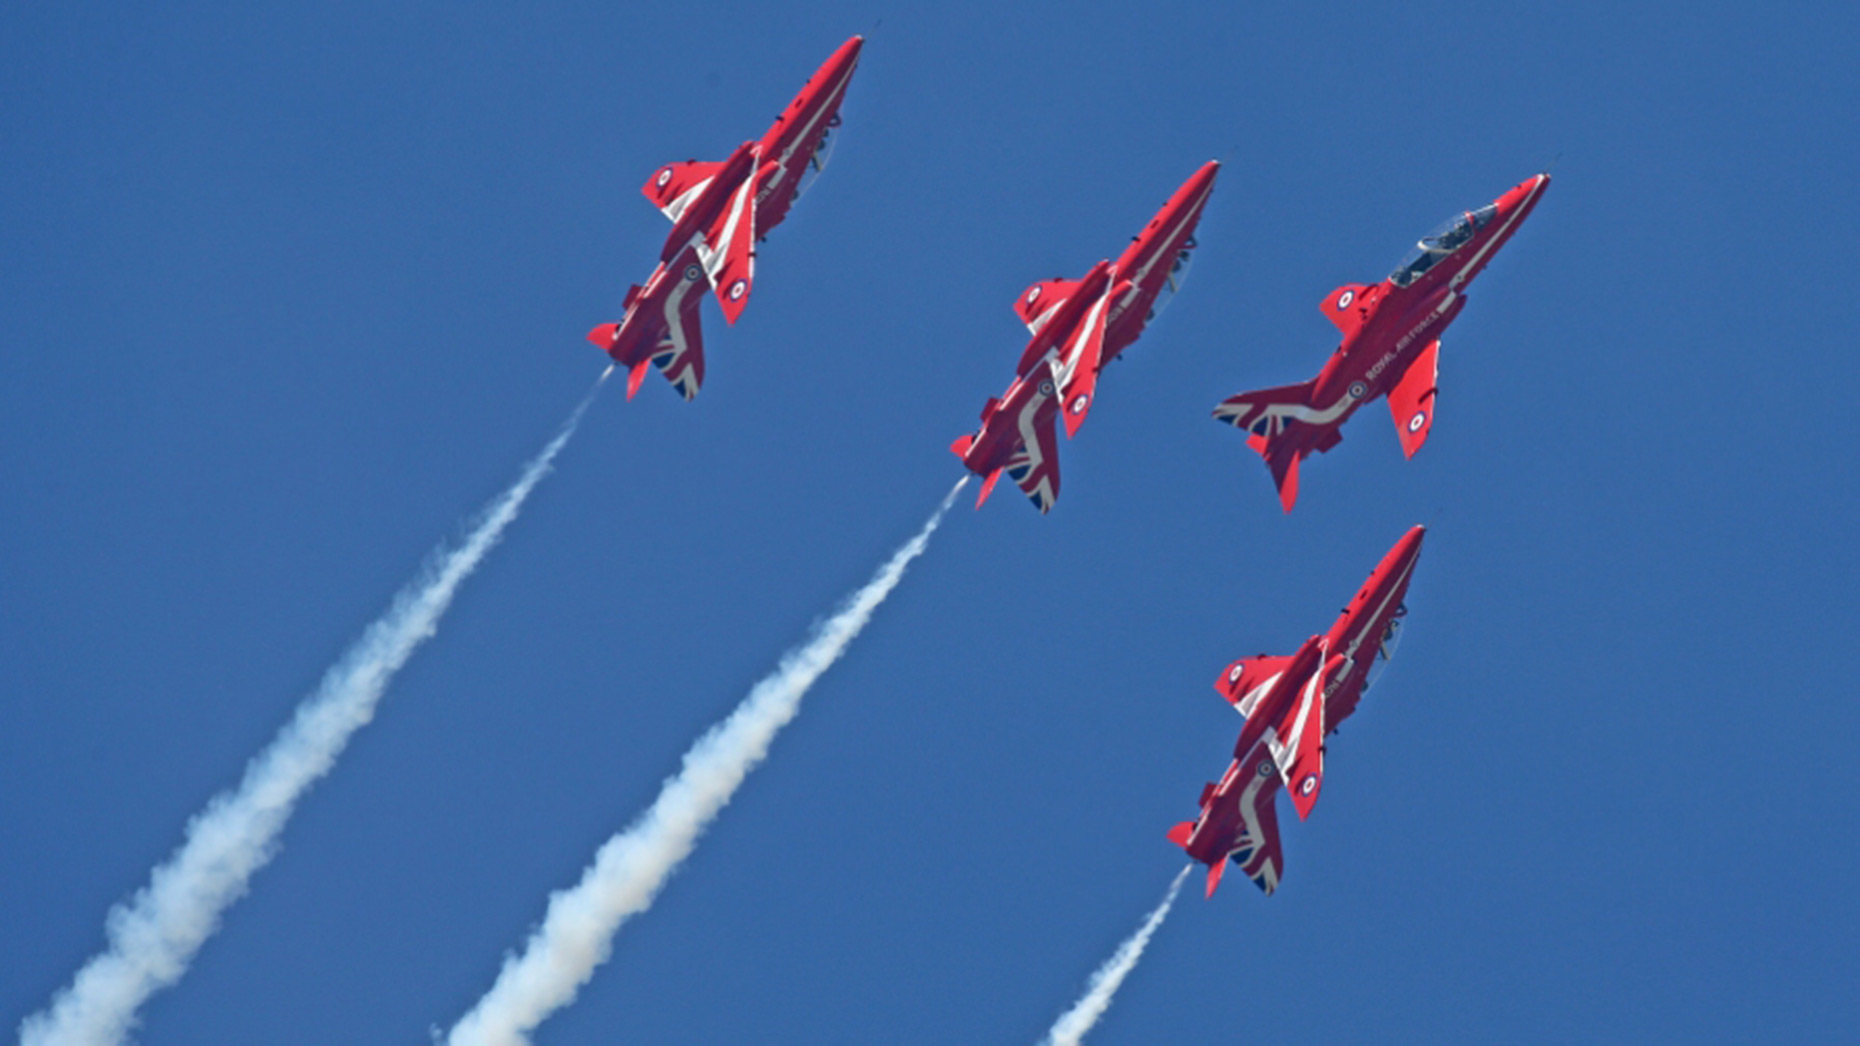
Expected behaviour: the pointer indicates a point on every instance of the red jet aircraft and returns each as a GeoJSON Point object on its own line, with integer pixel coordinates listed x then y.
{"type": "Point", "coordinates": [1291, 704]}
{"type": "Point", "coordinates": [1391, 344]}
{"type": "Point", "coordinates": [1079, 326]}
{"type": "Point", "coordinates": [719, 212]}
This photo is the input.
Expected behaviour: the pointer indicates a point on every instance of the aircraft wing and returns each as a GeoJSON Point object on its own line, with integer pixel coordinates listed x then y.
{"type": "Point", "coordinates": [1298, 747]}
{"type": "Point", "coordinates": [1411, 401]}
{"type": "Point", "coordinates": [1246, 681]}
{"type": "Point", "coordinates": [1036, 304]}
{"type": "Point", "coordinates": [728, 251]}
{"type": "Point", "coordinates": [1083, 355]}
{"type": "Point", "coordinates": [1348, 306]}
{"type": "Point", "coordinates": [673, 186]}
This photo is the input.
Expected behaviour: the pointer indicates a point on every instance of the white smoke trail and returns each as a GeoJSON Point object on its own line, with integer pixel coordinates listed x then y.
{"type": "Point", "coordinates": [1070, 1029]}
{"type": "Point", "coordinates": [577, 931]}
{"type": "Point", "coordinates": [154, 935]}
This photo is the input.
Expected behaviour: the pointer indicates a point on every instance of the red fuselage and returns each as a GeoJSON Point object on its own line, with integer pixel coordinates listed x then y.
{"type": "Point", "coordinates": [1115, 300]}
{"type": "Point", "coordinates": [1236, 817]}
{"type": "Point", "coordinates": [1391, 342]}
{"type": "Point", "coordinates": [1397, 319]}
{"type": "Point", "coordinates": [800, 131]}
{"type": "Point", "coordinates": [711, 245]}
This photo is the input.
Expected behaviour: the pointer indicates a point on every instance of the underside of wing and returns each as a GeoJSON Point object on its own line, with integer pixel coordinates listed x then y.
{"type": "Point", "coordinates": [1083, 355]}
{"type": "Point", "coordinates": [1248, 679]}
{"type": "Point", "coordinates": [1037, 302]}
{"type": "Point", "coordinates": [1411, 401]}
{"type": "Point", "coordinates": [673, 186]}
{"type": "Point", "coordinates": [729, 250]}
{"type": "Point", "coordinates": [1348, 306]}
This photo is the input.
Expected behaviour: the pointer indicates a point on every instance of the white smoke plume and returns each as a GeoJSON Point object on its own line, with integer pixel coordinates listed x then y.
{"type": "Point", "coordinates": [1070, 1029]}
{"type": "Point", "coordinates": [628, 871]}
{"type": "Point", "coordinates": [155, 934]}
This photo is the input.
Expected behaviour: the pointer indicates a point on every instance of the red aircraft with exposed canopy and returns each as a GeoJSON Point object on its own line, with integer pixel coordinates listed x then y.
{"type": "Point", "coordinates": [1391, 344]}
{"type": "Point", "coordinates": [1291, 704]}
{"type": "Point", "coordinates": [720, 211]}
{"type": "Point", "coordinates": [1079, 326]}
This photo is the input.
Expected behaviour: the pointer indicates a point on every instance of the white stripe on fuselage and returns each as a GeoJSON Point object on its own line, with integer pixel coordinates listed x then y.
{"type": "Point", "coordinates": [1343, 403]}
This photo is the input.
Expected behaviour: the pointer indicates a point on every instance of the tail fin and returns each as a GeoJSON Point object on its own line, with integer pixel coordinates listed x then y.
{"type": "Point", "coordinates": [1264, 412]}
{"type": "Point", "coordinates": [988, 487]}
{"type": "Point", "coordinates": [1268, 417]}
{"type": "Point", "coordinates": [1284, 468]}
{"type": "Point", "coordinates": [1215, 871]}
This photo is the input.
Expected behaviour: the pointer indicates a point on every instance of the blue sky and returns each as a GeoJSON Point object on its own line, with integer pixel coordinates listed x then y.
{"type": "Point", "coordinates": [290, 292]}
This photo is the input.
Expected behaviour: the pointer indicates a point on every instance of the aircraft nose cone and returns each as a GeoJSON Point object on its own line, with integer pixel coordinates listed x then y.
{"type": "Point", "coordinates": [1524, 196]}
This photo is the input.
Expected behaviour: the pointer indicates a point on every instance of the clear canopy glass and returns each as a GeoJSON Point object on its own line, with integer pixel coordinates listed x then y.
{"type": "Point", "coordinates": [1178, 274]}
{"type": "Point", "coordinates": [818, 162]}
{"type": "Point", "coordinates": [1448, 237]}
{"type": "Point", "coordinates": [1391, 638]}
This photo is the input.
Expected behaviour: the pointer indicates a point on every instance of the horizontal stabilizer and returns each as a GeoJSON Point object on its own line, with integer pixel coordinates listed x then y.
{"type": "Point", "coordinates": [634, 376]}
{"type": "Point", "coordinates": [1215, 871]}
{"type": "Point", "coordinates": [1180, 833]}
{"type": "Point", "coordinates": [1285, 476]}
{"type": "Point", "coordinates": [603, 336]}
{"type": "Point", "coordinates": [960, 448]}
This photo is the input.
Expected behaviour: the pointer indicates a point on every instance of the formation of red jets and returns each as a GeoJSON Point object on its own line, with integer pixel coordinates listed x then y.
{"type": "Point", "coordinates": [1391, 332]}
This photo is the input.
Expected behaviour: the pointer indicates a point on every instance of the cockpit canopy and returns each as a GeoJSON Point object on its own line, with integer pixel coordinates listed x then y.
{"type": "Point", "coordinates": [1178, 274]}
{"type": "Point", "coordinates": [1385, 650]}
{"type": "Point", "coordinates": [823, 151]}
{"type": "Point", "coordinates": [1450, 236]}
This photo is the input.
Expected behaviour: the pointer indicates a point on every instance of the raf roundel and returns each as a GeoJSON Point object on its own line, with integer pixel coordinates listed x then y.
{"type": "Point", "coordinates": [737, 289]}
{"type": "Point", "coordinates": [1419, 419]}
{"type": "Point", "coordinates": [1234, 676]}
{"type": "Point", "coordinates": [1358, 390]}
{"type": "Point", "coordinates": [1046, 388]}
{"type": "Point", "coordinates": [1308, 785]}
{"type": "Point", "coordinates": [1033, 294]}
{"type": "Point", "coordinates": [664, 177]}
{"type": "Point", "coordinates": [1265, 768]}
{"type": "Point", "coordinates": [692, 272]}
{"type": "Point", "coordinates": [1078, 405]}
{"type": "Point", "coordinates": [1344, 299]}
